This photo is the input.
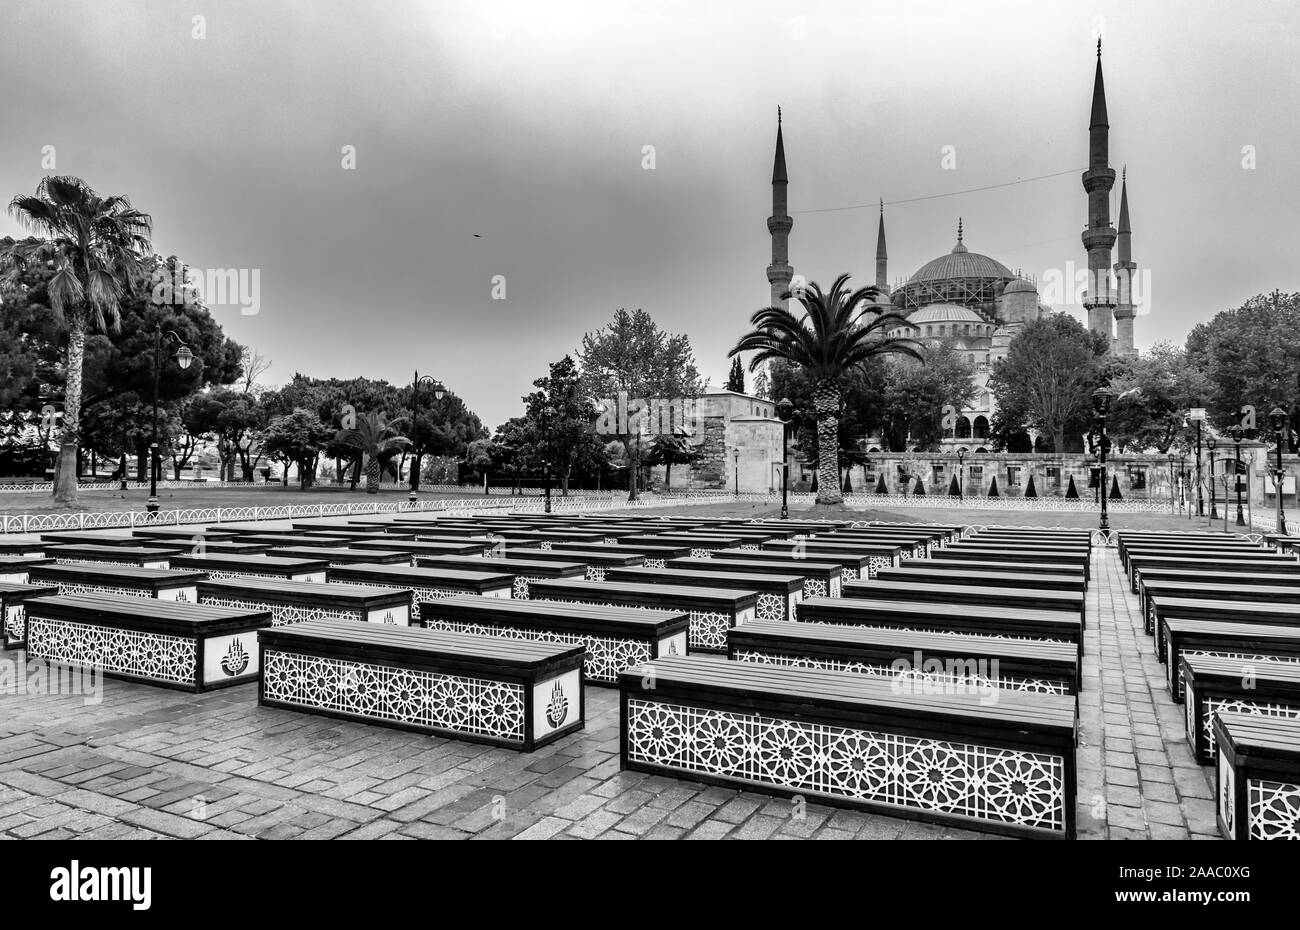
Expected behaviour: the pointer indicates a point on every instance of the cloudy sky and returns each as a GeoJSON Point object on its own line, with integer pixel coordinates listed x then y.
{"type": "Point", "coordinates": [508, 138]}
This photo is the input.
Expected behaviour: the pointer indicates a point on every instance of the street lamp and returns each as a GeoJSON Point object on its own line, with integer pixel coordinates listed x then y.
{"type": "Point", "coordinates": [735, 458]}
{"type": "Point", "coordinates": [961, 476]}
{"type": "Point", "coordinates": [184, 358]}
{"type": "Point", "coordinates": [1101, 400]}
{"type": "Point", "coordinates": [1173, 505]}
{"type": "Point", "coordinates": [1197, 416]}
{"type": "Point", "coordinates": [1277, 419]}
{"type": "Point", "coordinates": [1237, 435]}
{"type": "Point", "coordinates": [439, 392]}
{"type": "Point", "coordinates": [548, 415]}
{"type": "Point", "coordinates": [785, 410]}
{"type": "Point", "coordinates": [1211, 443]}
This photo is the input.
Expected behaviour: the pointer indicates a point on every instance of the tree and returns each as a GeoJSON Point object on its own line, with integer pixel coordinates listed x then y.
{"type": "Point", "coordinates": [1046, 381]}
{"type": "Point", "coordinates": [297, 438]}
{"type": "Point", "coordinates": [839, 330]}
{"type": "Point", "coordinates": [1153, 393]}
{"type": "Point", "coordinates": [1250, 355]}
{"type": "Point", "coordinates": [378, 440]}
{"type": "Point", "coordinates": [515, 443]}
{"type": "Point", "coordinates": [633, 356]}
{"type": "Point", "coordinates": [479, 455]}
{"type": "Point", "coordinates": [235, 420]}
{"type": "Point", "coordinates": [445, 427]}
{"type": "Point", "coordinates": [736, 380]}
{"type": "Point", "coordinates": [668, 451]}
{"type": "Point", "coordinates": [915, 392]}
{"type": "Point", "coordinates": [562, 417]}
{"type": "Point", "coordinates": [95, 246]}
{"type": "Point", "coordinates": [1071, 493]}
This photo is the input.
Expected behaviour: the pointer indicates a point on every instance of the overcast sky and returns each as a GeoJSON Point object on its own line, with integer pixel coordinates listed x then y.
{"type": "Point", "coordinates": [525, 123]}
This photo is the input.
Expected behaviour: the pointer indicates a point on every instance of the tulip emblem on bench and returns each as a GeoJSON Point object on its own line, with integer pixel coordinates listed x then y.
{"type": "Point", "coordinates": [558, 708]}
{"type": "Point", "coordinates": [235, 660]}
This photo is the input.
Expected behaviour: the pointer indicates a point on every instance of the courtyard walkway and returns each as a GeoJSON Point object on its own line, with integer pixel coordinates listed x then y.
{"type": "Point", "coordinates": [147, 762]}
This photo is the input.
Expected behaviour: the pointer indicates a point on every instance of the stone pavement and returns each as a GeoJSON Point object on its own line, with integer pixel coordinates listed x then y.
{"type": "Point", "coordinates": [147, 762]}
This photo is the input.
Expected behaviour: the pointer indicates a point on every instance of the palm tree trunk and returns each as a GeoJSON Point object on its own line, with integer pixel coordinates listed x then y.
{"type": "Point", "coordinates": [65, 471]}
{"type": "Point", "coordinates": [372, 475]}
{"type": "Point", "coordinates": [826, 401]}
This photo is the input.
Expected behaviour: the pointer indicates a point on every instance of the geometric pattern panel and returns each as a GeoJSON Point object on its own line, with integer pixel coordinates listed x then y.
{"type": "Point", "coordinates": [771, 607]}
{"type": "Point", "coordinates": [940, 776]}
{"type": "Point", "coordinates": [63, 561]}
{"type": "Point", "coordinates": [849, 574]}
{"type": "Point", "coordinates": [129, 652]}
{"type": "Point", "coordinates": [422, 594]}
{"type": "Point", "coordinates": [707, 630]}
{"type": "Point", "coordinates": [943, 680]}
{"type": "Point", "coordinates": [814, 587]}
{"type": "Point", "coordinates": [284, 614]}
{"type": "Point", "coordinates": [71, 588]}
{"type": "Point", "coordinates": [15, 624]}
{"type": "Point", "coordinates": [981, 634]}
{"type": "Point", "coordinates": [595, 573]}
{"type": "Point", "coordinates": [218, 575]}
{"type": "Point", "coordinates": [1273, 809]}
{"type": "Point", "coordinates": [383, 692]}
{"type": "Point", "coordinates": [1257, 708]}
{"type": "Point", "coordinates": [877, 562]}
{"type": "Point", "coordinates": [653, 563]}
{"type": "Point", "coordinates": [606, 656]}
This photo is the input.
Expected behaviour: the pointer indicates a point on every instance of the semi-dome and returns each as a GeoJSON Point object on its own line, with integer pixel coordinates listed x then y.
{"type": "Point", "coordinates": [944, 313]}
{"type": "Point", "coordinates": [1019, 286]}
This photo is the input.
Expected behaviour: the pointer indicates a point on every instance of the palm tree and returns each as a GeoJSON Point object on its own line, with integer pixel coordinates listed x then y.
{"type": "Point", "coordinates": [837, 332]}
{"type": "Point", "coordinates": [377, 439]}
{"type": "Point", "coordinates": [95, 248]}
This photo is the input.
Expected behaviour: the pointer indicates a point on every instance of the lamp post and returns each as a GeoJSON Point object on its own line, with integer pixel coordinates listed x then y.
{"type": "Point", "coordinates": [1277, 419]}
{"type": "Point", "coordinates": [1237, 435]}
{"type": "Point", "coordinates": [1211, 443]}
{"type": "Point", "coordinates": [1101, 400]}
{"type": "Point", "coordinates": [961, 476]}
{"type": "Point", "coordinates": [1197, 416]}
{"type": "Point", "coordinates": [784, 411]}
{"type": "Point", "coordinates": [735, 458]}
{"type": "Point", "coordinates": [439, 392]}
{"type": "Point", "coordinates": [548, 416]}
{"type": "Point", "coordinates": [1173, 507]}
{"type": "Point", "coordinates": [184, 357]}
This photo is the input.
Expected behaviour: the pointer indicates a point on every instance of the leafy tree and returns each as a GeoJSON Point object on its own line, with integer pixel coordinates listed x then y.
{"type": "Point", "coordinates": [515, 443]}
{"type": "Point", "coordinates": [480, 456]}
{"type": "Point", "coordinates": [561, 417]}
{"type": "Point", "coordinates": [1153, 394]}
{"type": "Point", "coordinates": [297, 438]}
{"type": "Point", "coordinates": [378, 440]}
{"type": "Point", "coordinates": [838, 331]}
{"type": "Point", "coordinates": [668, 451]}
{"type": "Point", "coordinates": [1046, 381]}
{"type": "Point", "coordinates": [632, 355]}
{"type": "Point", "coordinates": [915, 392]}
{"type": "Point", "coordinates": [95, 246]}
{"type": "Point", "coordinates": [235, 420]}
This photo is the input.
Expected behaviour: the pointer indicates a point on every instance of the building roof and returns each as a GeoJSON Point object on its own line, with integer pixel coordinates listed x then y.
{"type": "Point", "coordinates": [944, 313]}
{"type": "Point", "coordinates": [960, 263]}
{"type": "Point", "coordinates": [1019, 285]}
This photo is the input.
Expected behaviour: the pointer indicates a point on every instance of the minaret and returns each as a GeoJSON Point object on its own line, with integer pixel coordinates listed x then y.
{"type": "Point", "coordinates": [779, 273]}
{"type": "Point", "coordinates": [1125, 269]}
{"type": "Point", "coordinates": [882, 257]}
{"type": "Point", "coordinates": [1100, 235]}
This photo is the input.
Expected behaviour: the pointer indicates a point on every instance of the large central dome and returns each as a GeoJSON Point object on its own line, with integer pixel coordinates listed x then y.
{"type": "Point", "coordinates": [961, 263]}
{"type": "Point", "coordinates": [961, 277]}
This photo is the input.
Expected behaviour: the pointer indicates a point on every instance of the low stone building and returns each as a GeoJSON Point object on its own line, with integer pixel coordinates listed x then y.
{"type": "Point", "coordinates": [737, 438]}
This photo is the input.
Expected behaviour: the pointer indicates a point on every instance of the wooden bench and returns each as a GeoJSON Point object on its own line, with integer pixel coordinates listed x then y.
{"type": "Point", "coordinates": [712, 611]}
{"type": "Point", "coordinates": [1244, 642]}
{"type": "Point", "coordinates": [658, 556]}
{"type": "Point", "coordinates": [91, 578]}
{"type": "Point", "coordinates": [912, 545]}
{"type": "Point", "coordinates": [525, 572]}
{"type": "Point", "coordinates": [1219, 611]}
{"type": "Point", "coordinates": [959, 596]}
{"type": "Point", "coordinates": [778, 595]}
{"type": "Point", "coordinates": [820, 579]}
{"type": "Point", "coordinates": [201, 546]}
{"type": "Point", "coordinates": [428, 585]}
{"type": "Point", "coordinates": [297, 539]}
{"type": "Point", "coordinates": [184, 533]}
{"type": "Point", "coordinates": [872, 557]}
{"type": "Point", "coordinates": [92, 538]}
{"type": "Point", "coordinates": [958, 573]}
{"type": "Point", "coordinates": [701, 547]}
{"type": "Point", "coordinates": [1223, 550]}
{"type": "Point", "coordinates": [13, 601]}
{"type": "Point", "coordinates": [414, 548]}
{"type": "Point", "coordinates": [10, 548]}
{"type": "Point", "coordinates": [597, 559]}
{"type": "Point", "coordinates": [14, 568]}
{"type": "Point", "coordinates": [614, 638]}
{"type": "Point", "coordinates": [521, 695]}
{"type": "Point", "coordinates": [1214, 685]}
{"type": "Point", "coordinates": [856, 740]}
{"type": "Point", "coordinates": [173, 645]}
{"type": "Point", "coordinates": [351, 535]}
{"type": "Point", "coordinates": [135, 556]}
{"type": "Point", "coordinates": [345, 556]}
{"type": "Point", "coordinates": [1214, 577]}
{"type": "Point", "coordinates": [941, 616]}
{"type": "Point", "coordinates": [1210, 591]}
{"type": "Point", "coordinates": [966, 551]}
{"type": "Point", "coordinates": [300, 601]}
{"type": "Point", "coordinates": [1257, 777]}
{"type": "Point", "coordinates": [976, 661]}
{"type": "Point", "coordinates": [1139, 562]}
{"type": "Point", "coordinates": [257, 566]}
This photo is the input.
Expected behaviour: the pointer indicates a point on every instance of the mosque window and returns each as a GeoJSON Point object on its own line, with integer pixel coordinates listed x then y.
{"type": "Point", "coordinates": [1013, 476]}
{"type": "Point", "coordinates": [1053, 476]}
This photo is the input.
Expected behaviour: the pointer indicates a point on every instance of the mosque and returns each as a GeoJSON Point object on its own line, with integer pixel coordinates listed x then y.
{"type": "Point", "coordinates": [974, 302]}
